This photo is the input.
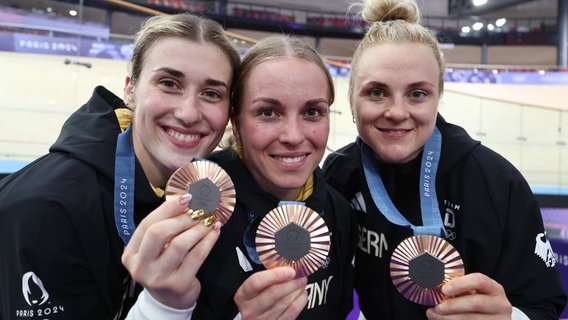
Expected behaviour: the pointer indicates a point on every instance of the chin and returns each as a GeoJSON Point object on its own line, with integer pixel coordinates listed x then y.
{"type": "Point", "coordinates": [395, 159]}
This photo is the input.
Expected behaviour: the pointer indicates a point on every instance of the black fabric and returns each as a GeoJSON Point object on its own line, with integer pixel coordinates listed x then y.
{"type": "Point", "coordinates": [329, 288]}
{"type": "Point", "coordinates": [56, 220]}
{"type": "Point", "coordinates": [487, 207]}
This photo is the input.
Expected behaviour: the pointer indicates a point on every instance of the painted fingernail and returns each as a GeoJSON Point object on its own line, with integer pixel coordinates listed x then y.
{"type": "Point", "coordinates": [209, 221]}
{"type": "Point", "coordinates": [217, 226]}
{"type": "Point", "coordinates": [197, 214]}
{"type": "Point", "coordinates": [184, 199]}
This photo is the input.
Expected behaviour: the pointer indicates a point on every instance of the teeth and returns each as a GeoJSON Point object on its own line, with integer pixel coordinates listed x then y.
{"type": "Point", "coordinates": [182, 137]}
{"type": "Point", "coordinates": [397, 131]}
{"type": "Point", "coordinates": [290, 160]}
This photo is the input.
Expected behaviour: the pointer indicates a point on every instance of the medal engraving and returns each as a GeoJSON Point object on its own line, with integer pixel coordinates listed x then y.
{"type": "Point", "coordinates": [205, 195]}
{"type": "Point", "coordinates": [292, 242]}
{"type": "Point", "coordinates": [426, 271]}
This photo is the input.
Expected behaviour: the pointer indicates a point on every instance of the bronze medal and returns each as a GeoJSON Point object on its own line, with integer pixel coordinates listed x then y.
{"type": "Point", "coordinates": [213, 192]}
{"type": "Point", "coordinates": [293, 235]}
{"type": "Point", "coordinates": [421, 265]}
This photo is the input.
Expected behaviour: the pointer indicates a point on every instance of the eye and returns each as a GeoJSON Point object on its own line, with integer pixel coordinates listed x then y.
{"type": "Point", "coordinates": [313, 112]}
{"type": "Point", "coordinates": [376, 93]}
{"type": "Point", "coordinates": [169, 84]}
{"type": "Point", "coordinates": [212, 94]}
{"type": "Point", "coordinates": [418, 94]}
{"type": "Point", "coordinates": [267, 113]}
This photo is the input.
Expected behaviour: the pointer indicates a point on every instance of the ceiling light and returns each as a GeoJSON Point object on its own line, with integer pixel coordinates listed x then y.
{"type": "Point", "coordinates": [477, 26]}
{"type": "Point", "coordinates": [466, 29]}
{"type": "Point", "coordinates": [500, 22]}
{"type": "Point", "coordinates": [72, 12]}
{"type": "Point", "coordinates": [478, 3]}
{"type": "Point", "coordinates": [490, 27]}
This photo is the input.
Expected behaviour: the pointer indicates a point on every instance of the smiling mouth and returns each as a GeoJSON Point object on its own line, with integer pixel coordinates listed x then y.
{"type": "Point", "coordinates": [395, 131]}
{"type": "Point", "coordinates": [182, 137]}
{"type": "Point", "coordinates": [290, 159]}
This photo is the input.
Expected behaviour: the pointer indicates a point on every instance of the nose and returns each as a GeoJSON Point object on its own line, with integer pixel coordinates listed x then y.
{"type": "Point", "coordinates": [291, 131]}
{"type": "Point", "coordinates": [397, 109]}
{"type": "Point", "coordinates": [188, 111]}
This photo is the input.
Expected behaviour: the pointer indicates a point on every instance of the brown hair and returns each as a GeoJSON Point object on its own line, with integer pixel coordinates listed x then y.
{"type": "Point", "coordinates": [394, 21]}
{"type": "Point", "coordinates": [183, 25]}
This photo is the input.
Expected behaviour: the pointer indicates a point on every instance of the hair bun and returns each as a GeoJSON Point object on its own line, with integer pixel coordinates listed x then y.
{"type": "Point", "coordinates": [390, 10]}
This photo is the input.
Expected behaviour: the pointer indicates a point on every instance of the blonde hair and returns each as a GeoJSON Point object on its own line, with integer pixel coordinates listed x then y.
{"type": "Point", "coordinates": [394, 21]}
{"type": "Point", "coordinates": [271, 48]}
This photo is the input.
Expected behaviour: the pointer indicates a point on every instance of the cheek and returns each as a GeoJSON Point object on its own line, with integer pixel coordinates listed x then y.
{"type": "Point", "coordinates": [369, 114]}
{"type": "Point", "coordinates": [257, 136]}
{"type": "Point", "coordinates": [218, 119]}
{"type": "Point", "coordinates": [319, 135]}
{"type": "Point", "coordinates": [427, 116]}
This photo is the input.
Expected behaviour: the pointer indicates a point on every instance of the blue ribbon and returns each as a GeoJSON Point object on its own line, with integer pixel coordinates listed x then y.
{"type": "Point", "coordinates": [431, 218]}
{"type": "Point", "coordinates": [124, 186]}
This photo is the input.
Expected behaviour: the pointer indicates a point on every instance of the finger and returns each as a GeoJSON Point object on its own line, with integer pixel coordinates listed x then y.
{"type": "Point", "coordinates": [296, 306]}
{"type": "Point", "coordinates": [201, 247]}
{"type": "Point", "coordinates": [465, 304]}
{"type": "Point", "coordinates": [274, 300]}
{"type": "Point", "coordinates": [472, 283]}
{"type": "Point", "coordinates": [259, 281]}
{"type": "Point", "coordinates": [474, 293]}
{"type": "Point", "coordinates": [179, 277]}
{"type": "Point", "coordinates": [170, 208]}
{"type": "Point", "coordinates": [165, 232]}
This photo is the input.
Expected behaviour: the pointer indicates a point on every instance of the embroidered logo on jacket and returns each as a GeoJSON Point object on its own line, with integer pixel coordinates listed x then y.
{"type": "Point", "coordinates": [358, 202]}
{"type": "Point", "coordinates": [450, 214]}
{"type": "Point", "coordinates": [543, 249]}
{"type": "Point", "coordinates": [33, 290]}
{"type": "Point", "coordinates": [37, 298]}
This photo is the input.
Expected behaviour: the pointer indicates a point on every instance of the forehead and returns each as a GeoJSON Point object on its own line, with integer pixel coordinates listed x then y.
{"type": "Point", "coordinates": [287, 72]}
{"type": "Point", "coordinates": [184, 54]}
{"type": "Point", "coordinates": [406, 59]}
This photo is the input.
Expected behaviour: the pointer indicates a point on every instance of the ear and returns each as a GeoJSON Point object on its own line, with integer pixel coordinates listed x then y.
{"type": "Point", "coordinates": [351, 106]}
{"type": "Point", "coordinates": [236, 134]}
{"type": "Point", "coordinates": [129, 98]}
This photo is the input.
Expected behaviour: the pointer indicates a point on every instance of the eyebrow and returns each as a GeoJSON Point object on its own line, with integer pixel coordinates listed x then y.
{"type": "Point", "coordinates": [179, 74]}
{"type": "Point", "coordinates": [383, 84]}
{"type": "Point", "coordinates": [215, 82]}
{"type": "Point", "coordinates": [277, 102]}
{"type": "Point", "coordinates": [171, 71]}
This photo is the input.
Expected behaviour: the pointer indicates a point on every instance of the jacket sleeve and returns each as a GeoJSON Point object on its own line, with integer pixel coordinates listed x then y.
{"type": "Point", "coordinates": [527, 268]}
{"type": "Point", "coordinates": [50, 266]}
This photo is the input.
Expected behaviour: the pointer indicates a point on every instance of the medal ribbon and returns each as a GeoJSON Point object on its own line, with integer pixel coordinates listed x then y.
{"type": "Point", "coordinates": [431, 218]}
{"type": "Point", "coordinates": [124, 167]}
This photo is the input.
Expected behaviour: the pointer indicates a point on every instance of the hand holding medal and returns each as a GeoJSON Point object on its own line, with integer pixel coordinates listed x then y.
{"type": "Point", "coordinates": [204, 191]}
{"type": "Point", "coordinates": [213, 192]}
{"type": "Point", "coordinates": [293, 235]}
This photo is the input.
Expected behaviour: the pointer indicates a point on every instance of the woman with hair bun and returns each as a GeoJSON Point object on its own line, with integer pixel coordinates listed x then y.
{"type": "Point", "coordinates": [448, 228]}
